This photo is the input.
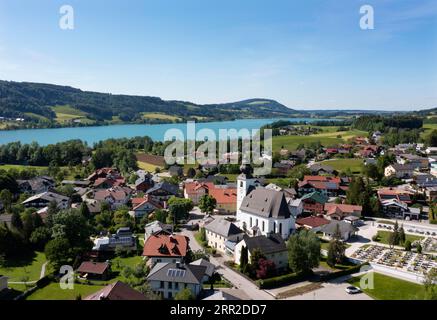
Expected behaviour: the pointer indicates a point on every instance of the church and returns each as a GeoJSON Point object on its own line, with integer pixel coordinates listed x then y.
{"type": "Point", "coordinates": [261, 211]}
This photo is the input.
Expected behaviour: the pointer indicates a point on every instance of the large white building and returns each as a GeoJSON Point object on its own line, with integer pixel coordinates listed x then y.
{"type": "Point", "coordinates": [262, 211]}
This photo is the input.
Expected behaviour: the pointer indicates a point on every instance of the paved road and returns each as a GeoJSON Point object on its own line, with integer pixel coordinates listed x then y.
{"type": "Point", "coordinates": [331, 291]}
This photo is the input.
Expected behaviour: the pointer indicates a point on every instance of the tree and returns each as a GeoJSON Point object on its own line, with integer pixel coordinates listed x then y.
{"type": "Point", "coordinates": [84, 210]}
{"type": "Point", "coordinates": [408, 245]}
{"type": "Point", "coordinates": [244, 259]}
{"type": "Point", "coordinates": [401, 235]}
{"type": "Point", "coordinates": [207, 204]}
{"type": "Point", "coordinates": [393, 239]}
{"type": "Point", "coordinates": [180, 208]}
{"type": "Point", "coordinates": [430, 284]}
{"type": "Point", "coordinates": [58, 252]}
{"type": "Point", "coordinates": [431, 140]}
{"type": "Point", "coordinates": [160, 215]}
{"type": "Point", "coordinates": [6, 199]}
{"type": "Point", "coordinates": [419, 248]}
{"type": "Point", "coordinates": [185, 294]}
{"type": "Point", "coordinates": [336, 249]}
{"type": "Point", "coordinates": [191, 172]}
{"type": "Point", "coordinates": [266, 269]}
{"type": "Point", "coordinates": [39, 237]}
{"type": "Point", "coordinates": [16, 221]}
{"type": "Point", "coordinates": [303, 251]}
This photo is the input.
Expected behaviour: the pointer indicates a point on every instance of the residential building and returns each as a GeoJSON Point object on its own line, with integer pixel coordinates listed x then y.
{"type": "Point", "coordinates": [394, 193]}
{"type": "Point", "coordinates": [319, 169]}
{"type": "Point", "coordinates": [94, 270]}
{"type": "Point", "coordinates": [36, 185]}
{"type": "Point", "coordinates": [44, 199]}
{"type": "Point", "coordinates": [117, 291]}
{"type": "Point", "coordinates": [223, 235]}
{"type": "Point", "coordinates": [163, 191]}
{"type": "Point", "coordinates": [116, 196]}
{"type": "Point", "coordinates": [167, 279]}
{"type": "Point", "coordinates": [340, 211]}
{"type": "Point", "coordinates": [225, 195]}
{"type": "Point", "coordinates": [314, 202]}
{"type": "Point", "coordinates": [273, 247]}
{"type": "Point", "coordinates": [157, 227]}
{"type": "Point", "coordinates": [166, 248]}
{"type": "Point", "coordinates": [123, 238]}
{"type": "Point", "coordinates": [347, 230]}
{"type": "Point", "coordinates": [144, 206]}
{"type": "Point", "coordinates": [401, 171]}
{"type": "Point", "coordinates": [313, 223]}
{"type": "Point", "coordinates": [328, 186]}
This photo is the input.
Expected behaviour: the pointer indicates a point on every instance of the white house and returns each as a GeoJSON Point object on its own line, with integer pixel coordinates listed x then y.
{"type": "Point", "coordinates": [223, 235]}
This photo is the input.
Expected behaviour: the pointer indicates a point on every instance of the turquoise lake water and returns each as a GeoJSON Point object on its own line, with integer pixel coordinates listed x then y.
{"type": "Point", "coordinates": [154, 131]}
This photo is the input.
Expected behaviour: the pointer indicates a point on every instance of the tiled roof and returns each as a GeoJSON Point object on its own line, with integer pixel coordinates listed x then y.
{"type": "Point", "coordinates": [163, 245]}
{"type": "Point", "coordinates": [117, 291]}
{"type": "Point", "coordinates": [93, 267]}
{"type": "Point", "coordinates": [312, 221]}
{"type": "Point", "coordinates": [266, 203]}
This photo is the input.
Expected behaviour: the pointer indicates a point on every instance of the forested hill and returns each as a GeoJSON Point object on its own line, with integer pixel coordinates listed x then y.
{"type": "Point", "coordinates": [47, 103]}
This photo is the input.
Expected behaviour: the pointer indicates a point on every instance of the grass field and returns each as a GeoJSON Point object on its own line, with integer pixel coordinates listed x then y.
{"type": "Point", "coordinates": [67, 113]}
{"type": "Point", "coordinates": [54, 292]}
{"type": "Point", "coordinates": [147, 166]}
{"type": "Point", "coordinates": [159, 116]}
{"type": "Point", "coordinates": [27, 266]}
{"type": "Point", "coordinates": [355, 165]}
{"type": "Point", "coordinates": [389, 288]}
{"type": "Point", "coordinates": [429, 127]}
{"type": "Point", "coordinates": [384, 236]}
{"type": "Point", "coordinates": [21, 167]}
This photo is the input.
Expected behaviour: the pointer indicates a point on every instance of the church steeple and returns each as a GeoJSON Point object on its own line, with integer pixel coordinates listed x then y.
{"type": "Point", "coordinates": [245, 182]}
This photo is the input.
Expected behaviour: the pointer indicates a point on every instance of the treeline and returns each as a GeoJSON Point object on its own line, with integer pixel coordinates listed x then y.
{"type": "Point", "coordinates": [379, 123]}
{"type": "Point", "coordinates": [277, 125]}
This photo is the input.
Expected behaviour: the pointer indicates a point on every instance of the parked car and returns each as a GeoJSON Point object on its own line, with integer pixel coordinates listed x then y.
{"type": "Point", "coordinates": [353, 290]}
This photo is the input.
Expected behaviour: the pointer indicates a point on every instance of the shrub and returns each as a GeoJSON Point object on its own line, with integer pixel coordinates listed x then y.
{"type": "Point", "coordinates": [283, 280]}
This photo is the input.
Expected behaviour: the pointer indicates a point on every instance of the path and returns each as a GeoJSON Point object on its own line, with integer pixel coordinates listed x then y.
{"type": "Point", "coordinates": [42, 274]}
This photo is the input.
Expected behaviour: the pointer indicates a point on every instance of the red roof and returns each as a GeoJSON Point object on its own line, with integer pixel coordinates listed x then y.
{"type": "Point", "coordinates": [117, 291]}
{"type": "Point", "coordinates": [93, 267]}
{"type": "Point", "coordinates": [312, 221]}
{"type": "Point", "coordinates": [163, 245]}
{"type": "Point", "coordinates": [137, 203]}
{"type": "Point", "coordinates": [332, 208]}
{"type": "Point", "coordinates": [223, 195]}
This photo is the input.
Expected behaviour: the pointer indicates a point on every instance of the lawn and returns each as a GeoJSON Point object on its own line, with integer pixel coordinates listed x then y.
{"type": "Point", "coordinates": [21, 167]}
{"type": "Point", "coordinates": [389, 288]}
{"type": "Point", "coordinates": [384, 236]}
{"type": "Point", "coordinates": [327, 138]}
{"type": "Point", "coordinates": [355, 165]}
{"type": "Point", "coordinates": [28, 266]}
{"type": "Point", "coordinates": [428, 128]}
{"type": "Point", "coordinates": [66, 113]}
{"type": "Point", "coordinates": [147, 166]}
{"type": "Point", "coordinates": [159, 116]}
{"type": "Point", "coordinates": [54, 292]}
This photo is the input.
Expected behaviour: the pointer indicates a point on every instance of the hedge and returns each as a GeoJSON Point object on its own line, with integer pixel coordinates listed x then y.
{"type": "Point", "coordinates": [341, 273]}
{"type": "Point", "coordinates": [283, 280]}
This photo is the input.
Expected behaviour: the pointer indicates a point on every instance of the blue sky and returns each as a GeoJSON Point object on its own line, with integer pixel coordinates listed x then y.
{"type": "Point", "coordinates": [305, 54]}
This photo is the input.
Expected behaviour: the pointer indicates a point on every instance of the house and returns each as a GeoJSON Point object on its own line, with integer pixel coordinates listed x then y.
{"type": "Point", "coordinates": [144, 181]}
{"type": "Point", "coordinates": [296, 206]}
{"type": "Point", "coordinates": [76, 183]}
{"type": "Point", "coordinates": [399, 210]}
{"type": "Point", "coordinates": [94, 206]}
{"type": "Point", "coordinates": [117, 291]}
{"type": "Point", "coordinates": [223, 235]}
{"type": "Point", "coordinates": [176, 171]}
{"type": "Point", "coordinates": [163, 191]}
{"type": "Point", "coordinates": [36, 185]}
{"type": "Point", "coordinates": [328, 186]}
{"type": "Point", "coordinates": [318, 169]}
{"type": "Point", "coordinates": [346, 229]}
{"type": "Point", "coordinates": [314, 202]}
{"type": "Point", "coordinates": [225, 195]}
{"type": "Point", "coordinates": [123, 238]}
{"type": "Point", "coordinates": [425, 180]}
{"type": "Point", "coordinates": [144, 206]}
{"type": "Point", "coordinates": [340, 211]}
{"type": "Point", "coordinates": [298, 155]}
{"type": "Point", "coordinates": [166, 248]}
{"type": "Point", "coordinates": [94, 270]}
{"type": "Point", "coordinates": [273, 247]}
{"type": "Point", "coordinates": [283, 166]}
{"type": "Point", "coordinates": [401, 171]}
{"type": "Point", "coordinates": [210, 268]}
{"type": "Point", "coordinates": [264, 211]}
{"type": "Point", "coordinates": [394, 193]}
{"type": "Point", "coordinates": [313, 223]}
{"type": "Point", "coordinates": [421, 162]}
{"type": "Point", "coordinates": [116, 196]}
{"type": "Point", "coordinates": [44, 199]}
{"type": "Point", "coordinates": [430, 192]}
{"type": "Point", "coordinates": [3, 283]}
{"type": "Point", "coordinates": [157, 227]}
{"type": "Point", "coordinates": [228, 294]}
{"type": "Point", "coordinates": [167, 279]}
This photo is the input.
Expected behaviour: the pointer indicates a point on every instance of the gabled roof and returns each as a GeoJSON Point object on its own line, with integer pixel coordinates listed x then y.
{"type": "Point", "coordinates": [223, 228]}
{"type": "Point", "coordinates": [166, 186]}
{"type": "Point", "coordinates": [266, 203]}
{"type": "Point", "coordinates": [117, 291]}
{"type": "Point", "coordinates": [210, 268]}
{"type": "Point", "coordinates": [342, 209]}
{"type": "Point", "coordinates": [47, 196]}
{"type": "Point", "coordinates": [315, 196]}
{"type": "Point", "coordinates": [343, 226]}
{"type": "Point", "coordinates": [271, 244]}
{"type": "Point", "coordinates": [180, 273]}
{"type": "Point", "coordinates": [164, 245]}
{"type": "Point", "coordinates": [93, 267]}
{"type": "Point", "coordinates": [312, 221]}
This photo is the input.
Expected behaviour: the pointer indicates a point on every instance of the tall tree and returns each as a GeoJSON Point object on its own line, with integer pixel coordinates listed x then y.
{"type": "Point", "coordinates": [207, 204]}
{"type": "Point", "coordinates": [303, 251]}
{"type": "Point", "coordinates": [180, 208]}
{"type": "Point", "coordinates": [336, 249]}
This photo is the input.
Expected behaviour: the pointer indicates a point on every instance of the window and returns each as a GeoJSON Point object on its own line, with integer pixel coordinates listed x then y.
{"type": "Point", "coordinates": [280, 228]}
{"type": "Point", "coordinates": [274, 227]}
{"type": "Point", "coordinates": [170, 285]}
{"type": "Point", "coordinates": [251, 224]}
{"type": "Point", "coordinates": [263, 226]}
{"type": "Point", "coordinates": [176, 285]}
{"type": "Point", "coordinates": [169, 295]}
{"type": "Point", "coordinates": [162, 285]}
{"type": "Point", "coordinates": [241, 184]}
{"type": "Point", "coordinates": [256, 222]}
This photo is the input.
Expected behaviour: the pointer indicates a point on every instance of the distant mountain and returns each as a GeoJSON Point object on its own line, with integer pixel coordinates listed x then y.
{"type": "Point", "coordinates": [48, 104]}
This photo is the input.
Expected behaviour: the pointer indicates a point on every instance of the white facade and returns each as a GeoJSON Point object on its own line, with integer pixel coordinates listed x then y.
{"type": "Point", "coordinates": [170, 289]}
{"type": "Point", "coordinates": [243, 185]}
{"type": "Point", "coordinates": [266, 226]}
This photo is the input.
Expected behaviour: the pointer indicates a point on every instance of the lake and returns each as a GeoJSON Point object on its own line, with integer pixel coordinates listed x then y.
{"type": "Point", "coordinates": [154, 131]}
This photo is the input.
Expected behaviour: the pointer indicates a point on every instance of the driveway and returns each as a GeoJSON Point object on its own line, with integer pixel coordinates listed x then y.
{"type": "Point", "coordinates": [331, 291]}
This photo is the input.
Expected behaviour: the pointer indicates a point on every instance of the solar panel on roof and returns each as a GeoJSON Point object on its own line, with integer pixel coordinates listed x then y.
{"type": "Point", "coordinates": [176, 273]}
